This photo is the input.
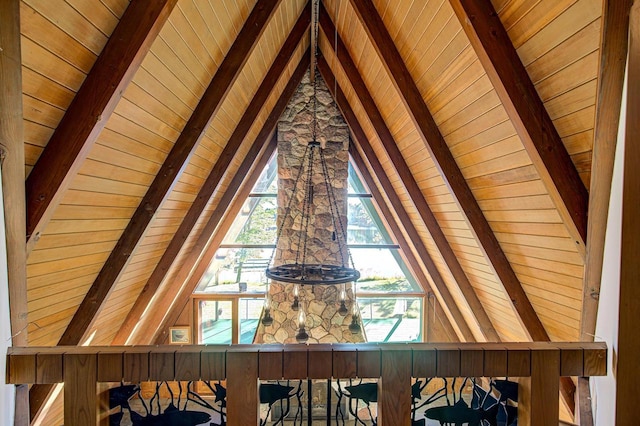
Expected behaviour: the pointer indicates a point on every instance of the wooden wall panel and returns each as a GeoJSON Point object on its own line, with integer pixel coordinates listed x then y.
{"type": "Point", "coordinates": [60, 44]}
{"type": "Point", "coordinates": [482, 139]}
{"type": "Point", "coordinates": [171, 279]}
{"type": "Point", "coordinates": [561, 57]}
{"type": "Point", "coordinates": [169, 216]}
{"type": "Point", "coordinates": [129, 152]}
{"type": "Point", "coordinates": [411, 148]}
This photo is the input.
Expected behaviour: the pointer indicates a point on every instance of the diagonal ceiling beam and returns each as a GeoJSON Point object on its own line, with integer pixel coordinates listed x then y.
{"type": "Point", "coordinates": [613, 61]}
{"type": "Point", "coordinates": [520, 99]}
{"type": "Point", "coordinates": [171, 170]}
{"type": "Point", "coordinates": [213, 180]}
{"type": "Point", "coordinates": [382, 206]}
{"type": "Point", "coordinates": [155, 317]}
{"type": "Point", "coordinates": [446, 164]}
{"type": "Point", "coordinates": [483, 322]}
{"type": "Point", "coordinates": [91, 109]}
{"type": "Point", "coordinates": [441, 289]}
{"type": "Point", "coordinates": [240, 187]}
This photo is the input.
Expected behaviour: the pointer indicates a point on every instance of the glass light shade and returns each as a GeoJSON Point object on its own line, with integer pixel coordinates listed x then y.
{"type": "Point", "coordinates": [267, 301]}
{"type": "Point", "coordinates": [302, 318]}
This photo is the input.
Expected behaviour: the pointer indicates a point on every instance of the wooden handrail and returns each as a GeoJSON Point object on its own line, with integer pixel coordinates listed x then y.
{"type": "Point", "coordinates": [243, 365]}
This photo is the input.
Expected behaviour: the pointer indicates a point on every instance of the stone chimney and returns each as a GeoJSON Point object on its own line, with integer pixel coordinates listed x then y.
{"type": "Point", "coordinates": [321, 302]}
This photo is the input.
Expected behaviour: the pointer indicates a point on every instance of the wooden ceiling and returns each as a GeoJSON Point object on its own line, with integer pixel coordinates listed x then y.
{"type": "Point", "coordinates": [480, 134]}
{"type": "Point", "coordinates": [474, 122]}
{"type": "Point", "coordinates": [145, 122]}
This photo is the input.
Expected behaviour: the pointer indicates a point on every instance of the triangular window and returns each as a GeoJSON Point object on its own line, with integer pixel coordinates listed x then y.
{"type": "Point", "coordinates": [391, 301]}
{"type": "Point", "coordinates": [381, 267]}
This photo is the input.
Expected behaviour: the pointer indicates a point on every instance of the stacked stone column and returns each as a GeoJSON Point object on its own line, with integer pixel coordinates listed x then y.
{"type": "Point", "coordinates": [321, 302]}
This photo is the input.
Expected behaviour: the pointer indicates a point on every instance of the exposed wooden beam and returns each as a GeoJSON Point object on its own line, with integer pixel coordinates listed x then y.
{"type": "Point", "coordinates": [171, 169]}
{"type": "Point", "coordinates": [584, 416]}
{"type": "Point", "coordinates": [627, 372]}
{"type": "Point", "coordinates": [446, 164]}
{"type": "Point", "coordinates": [245, 179]}
{"type": "Point", "coordinates": [393, 226]}
{"type": "Point", "coordinates": [483, 322]}
{"type": "Point", "coordinates": [155, 319]}
{"type": "Point", "coordinates": [12, 165]}
{"type": "Point", "coordinates": [213, 180]}
{"type": "Point", "coordinates": [13, 194]}
{"type": "Point", "coordinates": [613, 61]}
{"type": "Point", "coordinates": [528, 114]}
{"type": "Point", "coordinates": [91, 109]}
{"type": "Point", "coordinates": [441, 289]}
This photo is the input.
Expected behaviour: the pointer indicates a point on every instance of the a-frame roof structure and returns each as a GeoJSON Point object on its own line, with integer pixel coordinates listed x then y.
{"type": "Point", "coordinates": [475, 122]}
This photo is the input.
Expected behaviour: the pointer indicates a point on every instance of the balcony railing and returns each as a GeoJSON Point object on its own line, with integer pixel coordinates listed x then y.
{"type": "Point", "coordinates": [540, 365]}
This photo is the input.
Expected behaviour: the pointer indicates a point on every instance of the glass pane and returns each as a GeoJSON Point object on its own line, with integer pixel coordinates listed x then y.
{"type": "Point", "coordinates": [391, 319]}
{"type": "Point", "coordinates": [354, 185]}
{"type": "Point", "coordinates": [215, 322]}
{"type": "Point", "coordinates": [236, 270]}
{"type": "Point", "coordinates": [363, 226]}
{"type": "Point", "coordinates": [267, 183]}
{"type": "Point", "coordinates": [250, 310]}
{"type": "Point", "coordinates": [380, 271]}
{"type": "Point", "coordinates": [255, 224]}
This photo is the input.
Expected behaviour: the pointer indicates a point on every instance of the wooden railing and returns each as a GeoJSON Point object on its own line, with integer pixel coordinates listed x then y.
{"type": "Point", "coordinates": [540, 365]}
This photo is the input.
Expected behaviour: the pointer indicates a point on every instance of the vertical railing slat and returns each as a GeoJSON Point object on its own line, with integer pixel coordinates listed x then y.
{"type": "Point", "coordinates": [242, 388]}
{"type": "Point", "coordinates": [538, 395]}
{"type": "Point", "coordinates": [394, 389]}
{"type": "Point", "coordinates": [80, 390]}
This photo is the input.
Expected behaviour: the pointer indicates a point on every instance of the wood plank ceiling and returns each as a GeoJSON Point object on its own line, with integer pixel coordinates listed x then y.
{"type": "Point", "coordinates": [475, 120]}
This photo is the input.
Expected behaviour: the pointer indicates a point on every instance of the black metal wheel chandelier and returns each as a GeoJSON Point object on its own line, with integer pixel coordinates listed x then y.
{"type": "Point", "coordinates": [301, 272]}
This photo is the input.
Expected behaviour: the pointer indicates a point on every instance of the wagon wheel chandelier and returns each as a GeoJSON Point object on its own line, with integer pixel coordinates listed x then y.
{"type": "Point", "coordinates": [300, 272]}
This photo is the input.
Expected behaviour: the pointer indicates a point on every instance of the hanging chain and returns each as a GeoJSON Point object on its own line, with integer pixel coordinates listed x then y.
{"type": "Point", "coordinates": [333, 204]}
{"type": "Point", "coordinates": [314, 130]}
{"type": "Point", "coordinates": [305, 222]}
{"type": "Point", "coordinates": [306, 208]}
{"type": "Point", "coordinates": [288, 208]}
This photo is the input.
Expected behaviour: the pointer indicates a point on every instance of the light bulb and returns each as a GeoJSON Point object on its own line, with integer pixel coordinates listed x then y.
{"type": "Point", "coordinates": [267, 319]}
{"type": "Point", "coordinates": [296, 300]}
{"type": "Point", "coordinates": [302, 318]}
{"type": "Point", "coordinates": [343, 297]}
{"type": "Point", "coordinates": [355, 327]}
